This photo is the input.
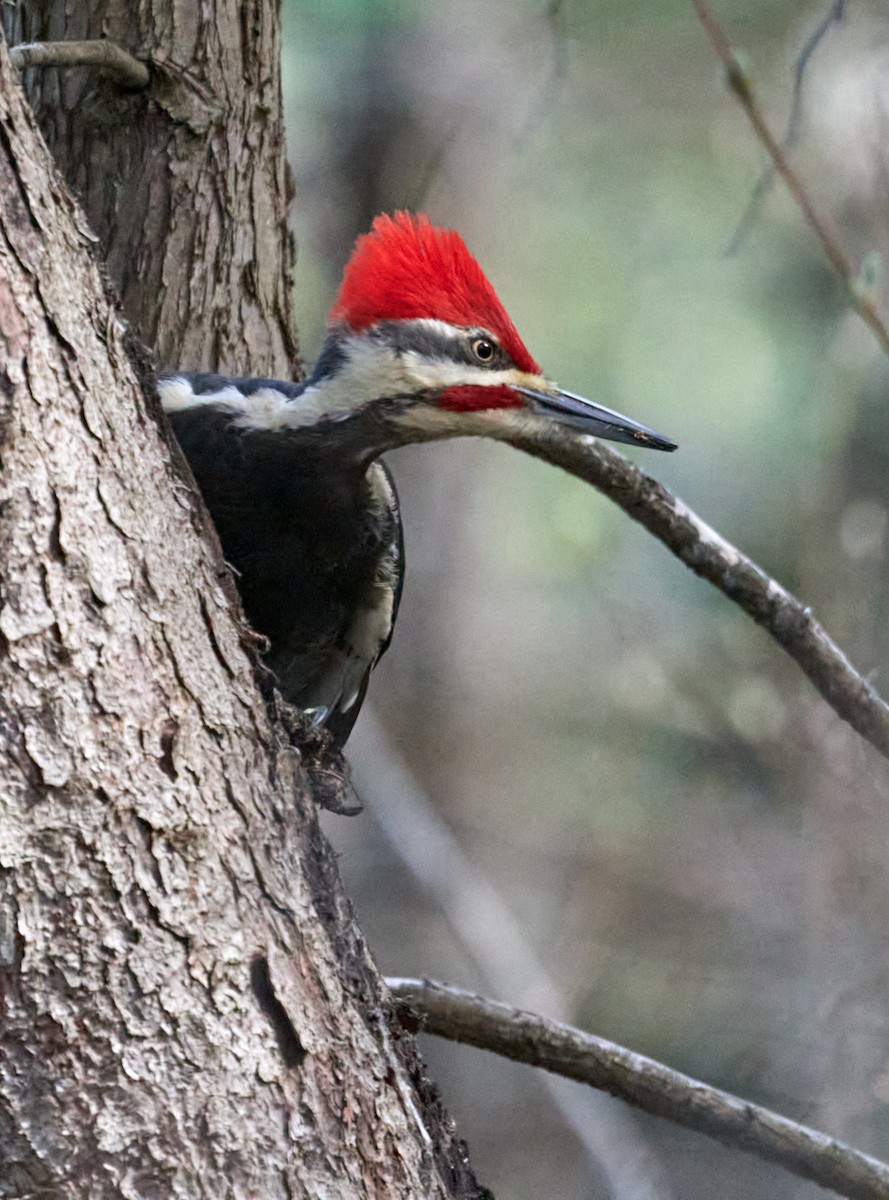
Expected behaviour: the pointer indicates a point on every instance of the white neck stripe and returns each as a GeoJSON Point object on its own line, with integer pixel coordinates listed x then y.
{"type": "Point", "coordinates": [371, 371]}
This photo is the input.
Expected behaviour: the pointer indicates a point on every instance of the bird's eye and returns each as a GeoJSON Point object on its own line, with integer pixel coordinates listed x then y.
{"type": "Point", "coordinates": [483, 349]}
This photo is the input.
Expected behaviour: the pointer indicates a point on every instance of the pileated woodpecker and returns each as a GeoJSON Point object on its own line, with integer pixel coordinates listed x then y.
{"type": "Point", "coordinates": [418, 347]}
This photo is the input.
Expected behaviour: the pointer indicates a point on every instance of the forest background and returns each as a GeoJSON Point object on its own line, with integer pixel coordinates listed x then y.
{"type": "Point", "coordinates": [687, 846]}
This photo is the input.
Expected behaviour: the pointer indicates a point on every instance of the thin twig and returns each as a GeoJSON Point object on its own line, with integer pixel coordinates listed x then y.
{"type": "Point", "coordinates": [709, 555]}
{"type": "Point", "coordinates": [763, 185]}
{"type": "Point", "coordinates": [739, 82]}
{"type": "Point", "coordinates": [556, 19]}
{"type": "Point", "coordinates": [108, 56]}
{"type": "Point", "coordinates": [460, 1016]}
{"type": "Point", "coordinates": [833, 16]}
{"type": "Point", "coordinates": [498, 945]}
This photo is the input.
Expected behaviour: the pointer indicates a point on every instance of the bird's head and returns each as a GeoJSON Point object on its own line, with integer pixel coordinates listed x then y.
{"type": "Point", "coordinates": [420, 348]}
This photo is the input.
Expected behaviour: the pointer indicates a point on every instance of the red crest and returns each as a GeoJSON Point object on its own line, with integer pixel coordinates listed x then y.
{"type": "Point", "coordinates": [407, 268]}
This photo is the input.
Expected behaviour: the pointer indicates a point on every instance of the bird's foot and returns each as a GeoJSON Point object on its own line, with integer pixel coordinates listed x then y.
{"type": "Point", "coordinates": [322, 757]}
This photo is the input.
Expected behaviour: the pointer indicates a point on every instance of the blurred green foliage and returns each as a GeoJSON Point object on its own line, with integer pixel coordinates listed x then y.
{"type": "Point", "coordinates": [685, 831]}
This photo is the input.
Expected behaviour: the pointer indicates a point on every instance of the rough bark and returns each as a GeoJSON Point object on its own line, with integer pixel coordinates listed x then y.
{"type": "Point", "coordinates": [184, 184]}
{"type": "Point", "coordinates": [186, 1008]}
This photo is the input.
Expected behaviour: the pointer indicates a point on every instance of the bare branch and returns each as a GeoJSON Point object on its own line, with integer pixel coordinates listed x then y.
{"type": "Point", "coordinates": [833, 16]}
{"type": "Point", "coordinates": [460, 1016]}
{"type": "Point", "coordinates": [709, 555]}
{"type": "Point", "coordinates": [498, 944]}
{"type": "Point", "coordinates": [739, 82]}
{"type": "Point", "coordinates": [126, 69]}
{"type": "Point", "coordinates": [791, 134]}
{"type": "Point", "coordinates": [556, 19]}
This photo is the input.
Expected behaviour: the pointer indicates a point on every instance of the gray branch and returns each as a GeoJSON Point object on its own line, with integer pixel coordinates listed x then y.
{"type": "Point", "coordinates": [709, 555]}
{"type": "Point", "coordinates": [126, 69]}
{"type": "Point", "coordinates": [460, 1016]}
{"type": "Point", "coordinates": [497, 942]}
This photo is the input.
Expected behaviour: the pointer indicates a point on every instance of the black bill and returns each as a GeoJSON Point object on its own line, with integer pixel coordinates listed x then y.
{"type": "Point", "coordinates": [595, 419]}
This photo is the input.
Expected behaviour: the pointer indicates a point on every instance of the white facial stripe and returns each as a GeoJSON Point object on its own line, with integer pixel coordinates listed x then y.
{"type": "Point", "coordinates": [442, 329]}
{"type": "Point", "coordinates": [370, 371]}
{"type": "Point", "coordinates": [425, 423]}
{"type": "Point", "coordinates": [439, 374]}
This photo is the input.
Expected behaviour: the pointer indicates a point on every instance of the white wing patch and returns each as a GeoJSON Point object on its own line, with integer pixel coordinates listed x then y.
{"type": "Point", "coordinates": [340, 685]}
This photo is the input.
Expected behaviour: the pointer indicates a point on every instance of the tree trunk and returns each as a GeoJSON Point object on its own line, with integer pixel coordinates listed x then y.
{"type": "Point", "coordinates": [185, 185]}
{"type": "Point", "coordinates": [187, 1007]}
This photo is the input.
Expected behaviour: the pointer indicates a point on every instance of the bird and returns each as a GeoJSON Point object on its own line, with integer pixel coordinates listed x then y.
{"type": "Point", "coordinates": [418, 348]}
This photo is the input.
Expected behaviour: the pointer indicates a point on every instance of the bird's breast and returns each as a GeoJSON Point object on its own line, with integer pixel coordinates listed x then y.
{"type": "Point", "coordinates": [313, 536]}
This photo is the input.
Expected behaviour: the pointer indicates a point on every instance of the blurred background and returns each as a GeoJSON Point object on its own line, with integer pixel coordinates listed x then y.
{"type": "Point", "coordinates": [592, 785]}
